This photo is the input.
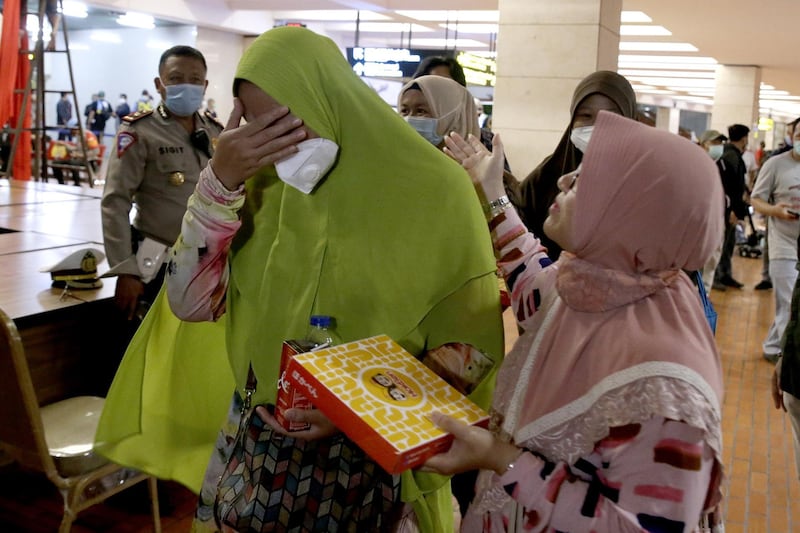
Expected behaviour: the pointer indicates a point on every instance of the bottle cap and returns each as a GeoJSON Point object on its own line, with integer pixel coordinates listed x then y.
{"type": "Point", "coordinates": [322, 321]}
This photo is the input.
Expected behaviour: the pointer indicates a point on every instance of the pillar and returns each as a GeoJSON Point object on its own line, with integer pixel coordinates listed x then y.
{"type": "Point", "coordinates": [736, 97]}
{"type": "Point", "coordinates": [668, 118]}
{"type": "Point", "coordinates": [544, 49]}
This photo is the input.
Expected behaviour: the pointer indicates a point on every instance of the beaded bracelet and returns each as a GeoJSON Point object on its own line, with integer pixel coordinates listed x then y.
{"type": "Point", "coordinates": [496, 207]}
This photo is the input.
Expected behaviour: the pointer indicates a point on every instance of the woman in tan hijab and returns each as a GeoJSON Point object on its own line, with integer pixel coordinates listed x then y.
{"type": "Point", "coordinates": [436, 106]}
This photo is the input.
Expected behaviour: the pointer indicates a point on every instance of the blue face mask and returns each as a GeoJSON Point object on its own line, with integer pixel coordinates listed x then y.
{"type": "Point", "coordinates": [715, 151]}
{"type": "Point", "coordinates": [426, 127]}
{"type": "Point", "coordinates": [185, 98]}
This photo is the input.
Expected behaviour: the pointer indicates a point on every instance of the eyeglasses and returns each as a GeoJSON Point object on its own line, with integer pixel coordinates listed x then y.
{"type": "Point", "coordinates": [567, 182]}
{"type": "Point", "coordinates": [573, 181]}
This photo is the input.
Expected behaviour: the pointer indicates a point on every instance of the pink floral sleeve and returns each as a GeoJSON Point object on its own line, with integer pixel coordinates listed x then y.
{"type": "Point", "coordinates": [528, 271]}
{"type": "Point", "coordinates": [642, 477]}
{"type": "Point", "coordinates": [197, 277]}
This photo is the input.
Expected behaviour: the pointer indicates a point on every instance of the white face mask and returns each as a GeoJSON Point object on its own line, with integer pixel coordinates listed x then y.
{"type": "Point", "coordinates": [715, 151]}
{"type": "Point", "coordinates": [580, 137]}
{"type": "Point", "coordinates": [304, 169]}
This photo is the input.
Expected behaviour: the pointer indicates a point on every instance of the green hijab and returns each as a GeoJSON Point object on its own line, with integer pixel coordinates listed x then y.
{"type": "Point", "coordinates": [392, 241]}
{"type": "Point", "coordinates": [392, 235]}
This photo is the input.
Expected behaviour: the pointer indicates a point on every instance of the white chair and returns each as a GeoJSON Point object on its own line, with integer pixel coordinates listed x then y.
{"type": "Point", "coordinates": [58, 439]}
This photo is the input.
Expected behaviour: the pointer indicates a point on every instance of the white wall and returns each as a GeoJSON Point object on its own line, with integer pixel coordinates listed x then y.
{"type": "Point", "coordinates": [222, 51]}
{"type": "Point", "coordinates": [118, 61]}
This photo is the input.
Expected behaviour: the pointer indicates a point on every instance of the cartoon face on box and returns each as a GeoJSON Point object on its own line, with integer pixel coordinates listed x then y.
{"type": "Point", "coordinates": [390, 385]}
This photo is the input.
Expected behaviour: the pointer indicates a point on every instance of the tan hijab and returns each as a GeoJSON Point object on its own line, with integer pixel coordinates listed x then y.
{"type": "Point", "coordinates": [625, 321]}
{"type": "Point", "coordinates": [450, 103]}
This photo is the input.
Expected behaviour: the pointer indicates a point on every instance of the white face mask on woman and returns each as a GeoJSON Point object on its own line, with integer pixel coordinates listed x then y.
{"type": "Point", "coordinates": [304, 169]}
{"type": "Point", "coordinates": [580, 137]}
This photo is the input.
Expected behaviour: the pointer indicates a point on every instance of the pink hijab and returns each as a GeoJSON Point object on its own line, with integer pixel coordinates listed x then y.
{"type": "Point", "coordinates": [624, 338]}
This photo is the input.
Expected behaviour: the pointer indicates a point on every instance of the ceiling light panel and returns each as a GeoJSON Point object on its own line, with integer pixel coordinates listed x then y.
{"type": "Point", "coordinates": [705, 74]}
{"type": "Point", "coordinates": [649, 65]}
{"type": "Point", "coordinates": [136, 20]}
{"type": "Point", "coordinates": [669, 59]}
{"type": "Point", "coordinates": [628, 30]}
{"type": "Point", "coordinates": [471, 28]}
{"type": "Point", "coordinates": [632, 46]}
{"type": "Point", "coordinates": [634, 17]}
{"type": "Point", "coordinates": [673, 82]}
{"type": "Point", "coordinates": [449, 43]}
{"type": "Point", "coordinates": [74, 9]}
{"type": "Point", "coordinates": [378, 27]}
{"type": "Point", "coordinates": [452, 16]}
{"type": "Point", "coordinates": [329, 15]}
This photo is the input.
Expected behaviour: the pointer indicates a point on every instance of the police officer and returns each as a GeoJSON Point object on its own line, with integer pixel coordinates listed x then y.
{"type": "Point", "coordinates": [158, 157]}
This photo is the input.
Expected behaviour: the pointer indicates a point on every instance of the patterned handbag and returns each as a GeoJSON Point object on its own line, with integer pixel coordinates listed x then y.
{"type": "Point", "coordinates": [278, 483]}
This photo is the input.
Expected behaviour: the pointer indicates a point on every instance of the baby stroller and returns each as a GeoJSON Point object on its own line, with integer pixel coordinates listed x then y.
{"type": "Point", "coordinates": [752, 244]}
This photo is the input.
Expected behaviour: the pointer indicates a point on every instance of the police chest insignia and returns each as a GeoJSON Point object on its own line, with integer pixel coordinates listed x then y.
{"type": "Point", "coordinates": [133, 117]}
{"type": "Point", "coordinates": [125, 139]}
{"type": "Point", "coordinates": [177, 178]}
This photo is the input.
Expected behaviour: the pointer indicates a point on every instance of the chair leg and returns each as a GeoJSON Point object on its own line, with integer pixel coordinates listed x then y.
{"type": "Point", "coordinates": [152, 485]}
{"type": "Point", "coordinates": [66, 523]}
{"type": "Point", "coordinates": [69, 515]}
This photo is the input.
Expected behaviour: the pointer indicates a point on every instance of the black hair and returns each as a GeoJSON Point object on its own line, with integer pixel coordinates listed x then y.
{"type": "Point", "coordinates": [431, 62]}
{"type": "Point", "coordinates": [737, 132]}
{"type": "Point", "coordinates": [181, 51]}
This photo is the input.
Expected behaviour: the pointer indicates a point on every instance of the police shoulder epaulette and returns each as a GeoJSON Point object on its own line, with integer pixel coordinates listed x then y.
{"type": "Point", "coordinates": [133, 117]}
{"type": "Point", "coordinates": [213, 119]}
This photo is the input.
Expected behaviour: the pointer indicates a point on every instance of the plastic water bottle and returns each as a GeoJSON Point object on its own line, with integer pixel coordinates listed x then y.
{"type": "Point", "coordinates": [321, 333]}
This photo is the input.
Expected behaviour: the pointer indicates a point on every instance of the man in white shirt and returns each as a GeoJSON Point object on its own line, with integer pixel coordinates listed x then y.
{"type": "Point", "coordinates": [776, 194]}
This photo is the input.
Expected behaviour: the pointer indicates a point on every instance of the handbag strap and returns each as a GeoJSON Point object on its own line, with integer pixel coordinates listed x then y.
{"type": "Point", "coordinates": [249, 389]}
{"type": "Point", "coordinates": [701, 288]}
{"type": "Point", "coordinates": [708, 308]}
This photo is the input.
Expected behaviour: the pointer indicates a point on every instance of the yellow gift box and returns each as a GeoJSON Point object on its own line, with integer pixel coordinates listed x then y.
{"type": "Point", "coordinates": [379, 395]}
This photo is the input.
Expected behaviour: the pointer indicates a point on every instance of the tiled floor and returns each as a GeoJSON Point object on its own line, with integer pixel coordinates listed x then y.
{"type": "Point", "coordinates": [762, 483]}
{"type": "Point", "coordinates": [763, 493]}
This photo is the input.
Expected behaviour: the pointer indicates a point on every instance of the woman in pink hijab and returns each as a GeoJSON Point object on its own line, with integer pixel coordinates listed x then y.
{"type": "Point", "coordinates": [606, 416]}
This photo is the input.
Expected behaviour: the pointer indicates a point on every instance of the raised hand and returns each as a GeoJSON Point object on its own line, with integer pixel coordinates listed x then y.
{"type": "Point", "coordinates": [244, 149]}
{"type": "Point", "coordinates": [484, 167]}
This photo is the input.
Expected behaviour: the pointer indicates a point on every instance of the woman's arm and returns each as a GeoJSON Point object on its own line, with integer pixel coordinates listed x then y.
{"type": "Point", "coordinates": [197, 276]}
{"type": "Point", "coordinates": [522, 258]}
{"type": "Point", "coordinates": [524, 264]}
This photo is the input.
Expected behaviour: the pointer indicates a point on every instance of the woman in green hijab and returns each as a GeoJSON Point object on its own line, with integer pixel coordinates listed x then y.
{"type": "Point", "coordinates": [392, 239]}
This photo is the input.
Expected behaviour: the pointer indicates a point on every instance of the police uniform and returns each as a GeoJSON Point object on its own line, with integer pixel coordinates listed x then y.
{"type": "Point", "coordinates": [155, 164]}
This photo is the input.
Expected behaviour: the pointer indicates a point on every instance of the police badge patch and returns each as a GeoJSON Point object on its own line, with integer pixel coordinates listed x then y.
{"type": "Point", "coordinates": [125, 140]}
